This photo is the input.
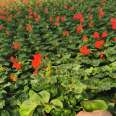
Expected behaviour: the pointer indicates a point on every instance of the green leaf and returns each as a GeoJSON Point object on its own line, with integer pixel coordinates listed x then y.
{"type": "Point", "coordinates": [44, 97]}
{"type": "Point", "coordinates": [57, 103]}
{"type": "Point", "coordinates": [2, 103]}
{"type": "Point", "coordinates": [28, 106]}
{"type": "Point", "coordinates": [4, 113]}
{"type": "Point", "coordinates": [48, 108]}
{"type": "Point", "coordinates": [94, 105]}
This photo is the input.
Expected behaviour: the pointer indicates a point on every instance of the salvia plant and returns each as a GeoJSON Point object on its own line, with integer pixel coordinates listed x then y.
{"type": "Point", "coordinates": [57, 57]}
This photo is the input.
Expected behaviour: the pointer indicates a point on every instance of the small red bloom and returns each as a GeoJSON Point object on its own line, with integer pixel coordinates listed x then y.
{"type": "Point", "coordinates": [1, 27]}
{"type": "Point", "coordinates": [102, 56]}
{"type": "Point", "coordinates": [79, 29]}
{"type": "Point", "coordinates": [71, 8]}
{"type": "Point", "coordinates": [51, 19]}
{"type": "Point", "coordinates": [25, 1]}
{"type": "Point", "coordinates": [99, 44]}
{"type": "Point", "coordinates": [63, 18]}
{"type": "Point", "coordinates": [66, 6]}
{"type": "Point", "coordinates": [85, 50]}
{"type": "Point", "coordinates": [85, 38]}
{"type": "Point", "coordinates": [101, 13]}
{"type": "Point", "coordinates": [36, 61]}
{"type": "Point", "coordinates": [66, 33]}
{"type": "Point", "coordinates": [91, 24]}
{"type": "Point", "coordinates": [29, 27]}
{"type": "Point", "coordinates": [17, 65]}
{"type": "Point", "coordinates": [16, 45]}
{"type": "Point", "coordinates": [90, 17]}
{"type": "Point", "coordinates": [2, 12]}
{"type": "Point", "coordinates": [104, 34]}
{"type": "Point", "coordinates": [113, 23]}
{"type": "Point", "coordinates": [56, 23]}
{"type": "Point", "coordinates": [114, 39]}
{"type": "Point", "coordinates": [79, 17]}
{"type": "Point", "coordinates": [46, 10]}
{"type": "Point", "coordinates": [2, 17]}
{"type": "Point", "coordinates": [57, 18]}
{"type": "Point", "coordinates": [96, 35]}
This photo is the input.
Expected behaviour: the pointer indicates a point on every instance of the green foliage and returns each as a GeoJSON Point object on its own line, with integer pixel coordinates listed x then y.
{"type": "Point", "coordinates": [94, 105]}
{"type": "Point", "coordinates": [66, 78]}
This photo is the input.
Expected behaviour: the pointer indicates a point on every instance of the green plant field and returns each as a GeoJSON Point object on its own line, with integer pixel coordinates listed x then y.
{"type": "Point", "coordinates": [58, 58]}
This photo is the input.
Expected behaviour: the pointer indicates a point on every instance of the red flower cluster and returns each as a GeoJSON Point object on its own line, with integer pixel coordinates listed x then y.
{"type": "Point", "coordinates": [96, 35]}
{"type": "Point", "coordinates": [15, 63]}
{"type": "Point", "coordinates": [85, 38]}
{"type": "Point", "coordinates": [85, 50]}
{"type": "Point", "coordinates": [34, 15]}
{"type": "Point", "coordinates": [36, 62]}
{"type": "Point", "coordinates": [113, 23]}
{"type": "Point", "coordinates": [66, 33]}
{"type": "Point", "coordinates": [57, 20]}
{"type": "Point", "coordinates": [99, 44]}
{"type": "Point", "coordinates": [79, 28]}
{"type": "Point", "coordinates": [79, 17]}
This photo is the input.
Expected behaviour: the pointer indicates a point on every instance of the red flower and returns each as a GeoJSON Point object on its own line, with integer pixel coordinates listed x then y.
{"type": "Point", "coordinates": [85, 50]}
{"type": "Point", "coordinates": [79, 17]}
{"type": "Point", "coordinates": [104, 34]}
{"type": "Point", "coordinates": [2, 12]}
{"type": "Point", "coordinates": [63, 18]}
{"type": "Point", "coordinates": [25, 1]}
{"type": "Point", "coordinates": [16, 65]}
{"type": "Point", "coordinates": [113, 23]}
{"type": "Point", "coordinates": [2, 17]}
{"type": "Point", "coordinates": [1, 27]}
{"type": "Point", "coordinates": [66, 6]}
{"type": "Point", "coordinates": [114, 39]}
{"type": "Point", "coordinates": [102, 56]}
{"type": "Point", "coordinates": [79, 29]}
{"type": "Point", "coordinates": [36, 61]}
{"type": "Point", "coordinates": [101, 13]}
{"type": "Point", "coordinates": [96, 35]}
{"type": "Point", "coordinates": [46, 10]}
{"type": "Point", "coordinates": [66, 33]}
{"type": "Point", "coordinates": [99, 44]}
{"type": "Point", "coordinates": [56, 23]}
{"type": "Point", "coordinates": [16, 45]}
{"type": "Point", "coordinates": [51, 19]}
{"type": "Point", "coordinates": [85, 38]}
{"type": "Point", "coordinates": [90, 17]}
{"type": "Point", "coordinates": [91, 24]}
{"type": "Point", "coordinates": [29, 27]}
{"type": "Point", "coordinates": [57, 18]}
{"type": "Point", "coordinates": [71, 8]}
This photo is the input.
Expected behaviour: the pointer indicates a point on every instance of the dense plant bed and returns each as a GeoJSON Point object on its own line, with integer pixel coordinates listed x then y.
{"type": "Point", "coordinates": [58, 58]}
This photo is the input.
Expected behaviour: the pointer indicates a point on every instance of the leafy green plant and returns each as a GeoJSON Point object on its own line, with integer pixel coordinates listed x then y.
{"type": "Point", "coordinates": [57, 55]}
